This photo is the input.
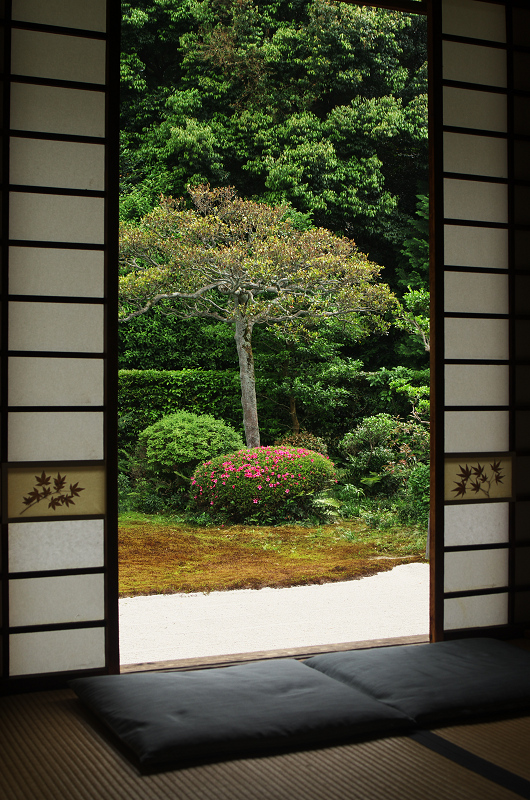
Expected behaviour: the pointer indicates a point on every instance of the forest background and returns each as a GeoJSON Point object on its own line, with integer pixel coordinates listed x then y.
{"type": "Point", "coordinates": [321, 106]}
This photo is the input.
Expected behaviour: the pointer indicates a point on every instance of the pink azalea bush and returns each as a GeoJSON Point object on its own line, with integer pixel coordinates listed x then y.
{"type": "Point", "coordinates": [261, 479]}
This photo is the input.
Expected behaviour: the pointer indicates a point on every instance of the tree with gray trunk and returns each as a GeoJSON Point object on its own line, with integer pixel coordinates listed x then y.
{"type": "Point", "coordinates": [244, 263]}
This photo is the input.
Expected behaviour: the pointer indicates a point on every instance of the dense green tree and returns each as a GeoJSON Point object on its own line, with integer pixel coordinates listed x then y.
{"type": "Point", "coordinates": [319, 104]}
{"type": "Point", "coordinates": [243, 263]}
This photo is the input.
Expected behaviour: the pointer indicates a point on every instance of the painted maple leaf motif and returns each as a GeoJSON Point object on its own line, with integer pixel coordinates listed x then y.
{"type": "Point", "coordinates": [33, 497]}
{"type": "Point", "coordinates": [59, 482]}
{"type": "Point", "coordinates": [42, 480]}
{"type": "Point", "coordinates": [57, 495]}
{"type": "Point", "coordinates": [465, 472]}
{"type": "Point", "coordinates": [460, 488]}
{"type": "Point", "coordinates": [496, 469]}
{"type": "Point", "coordinates": [476, 479]}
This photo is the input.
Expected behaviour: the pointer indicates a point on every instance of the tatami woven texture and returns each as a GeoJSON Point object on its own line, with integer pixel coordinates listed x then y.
{"type": "Point", "coordinates": [49, 750]}
{"type": "Point", "coordinates": [505, 743]}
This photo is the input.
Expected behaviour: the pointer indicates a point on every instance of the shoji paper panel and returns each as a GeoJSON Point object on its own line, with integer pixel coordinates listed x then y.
{"type": "Point", "coordinates": [476, 431]}
{"type": "Point", "coordinates": [55, 436]}
{"type": "Point", "coordinates": [476, 569]}
{"type": "Point", "coordinates": [475, 155]}
{"type": "Point", "coordinates": [476, 293]}
{"type": "Point", "coordinates": [466, 246]}
{"type": "Point", "coordinates": [476, 611]}
{"type": "Point", "coordinates": [53, 109]}
{"type": "Point", "coordinates": [56, 218]}
{"type": "Point", "coordinates": [476, 524]}
{"type": "Point", "coordinates": [73, 14]}
{"type": "Point", "coordinates": [483, 339]}
{"type": "Point", "coordinates": [61, 327]}
{"type": "Point", "coordinates": [65, 165]}
{"type": "Point", "coordinates": [481, 201]}
{"type": "Point", "coordinates": [50, 271]}
{"type": "Point", "coordinates": [474, 19]}
{"type": "Point", "coordinates": [476, 385]}
{"type": "Point", "coordinates": [57, 491]}
{"type": "Point", "coordinates": [65, 599]}
{"type": "Point", "coordinates": [474, 64]}
{"type": "Point", "coordinates": [68, 544]}
{"type": "Point", "coordinates": [57, 651]}
{"type": "Point", "coordinates": [472, 108]}
{"type": "Point", "coordinates": [57, 57]}
{"type": "Point", "coordinates": [482, 477]}
{"type": "Point", "coordinates": [56, 382]}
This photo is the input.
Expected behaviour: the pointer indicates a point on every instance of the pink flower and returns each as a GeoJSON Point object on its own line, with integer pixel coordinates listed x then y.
{"type": "Point", "coordinates": [255, 500]}
{"type": "Point", "coordinates": [259, 487]}
{"type": "Point", "coordinates": [287, 491]}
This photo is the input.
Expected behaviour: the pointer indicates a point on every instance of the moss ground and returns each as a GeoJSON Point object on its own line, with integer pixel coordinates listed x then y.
{"type": "Point", "coordinates": [164, 555]}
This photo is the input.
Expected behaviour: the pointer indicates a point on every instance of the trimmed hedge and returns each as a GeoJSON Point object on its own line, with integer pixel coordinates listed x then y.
{"type": "Point", "coordinates": [145, 396]}
{"type": "Point", "coordinates": [329, 410]}
{"type": "Point", "coordinates": [262, 479]}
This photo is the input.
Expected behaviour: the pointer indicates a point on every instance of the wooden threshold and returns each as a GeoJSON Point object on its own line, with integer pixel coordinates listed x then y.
{"type": "Point", "coordinates": [210, 662]}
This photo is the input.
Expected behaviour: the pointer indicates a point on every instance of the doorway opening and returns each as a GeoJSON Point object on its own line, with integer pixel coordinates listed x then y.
{"type": "Point", "coordinates": [322, 110]}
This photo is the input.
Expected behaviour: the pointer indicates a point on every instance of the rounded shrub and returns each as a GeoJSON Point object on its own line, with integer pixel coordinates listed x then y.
{"type": "Point", "coordinates": [303, 439]}
{"type": "Point", "coordinates": [260, 480]}
{"type": "Point", "coordinates": [177, 443]}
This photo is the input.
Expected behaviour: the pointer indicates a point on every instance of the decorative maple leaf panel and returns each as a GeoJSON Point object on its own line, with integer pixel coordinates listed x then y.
{"type": "Point", "coordinates": [481, 477]}
{"type": "Point", "coordinates": [56, 491]}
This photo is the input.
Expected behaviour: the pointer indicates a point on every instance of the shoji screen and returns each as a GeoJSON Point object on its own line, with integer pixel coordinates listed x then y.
{"type": "Point", "coordinates": [480, 62]}
{"type": "Point", "coordinates": [59, 228]}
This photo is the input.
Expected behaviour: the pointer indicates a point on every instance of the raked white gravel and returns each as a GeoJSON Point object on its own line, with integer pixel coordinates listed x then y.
{"type": "Point", "coordinates": [172, 626]}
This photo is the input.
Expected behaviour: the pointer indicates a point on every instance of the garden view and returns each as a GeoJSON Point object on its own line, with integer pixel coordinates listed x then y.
{"type": "Point", "coordinates": [274, 337]}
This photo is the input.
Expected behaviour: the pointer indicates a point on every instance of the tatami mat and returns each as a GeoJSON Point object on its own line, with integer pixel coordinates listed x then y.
{"type": "Point", "coordinates": [505, 743]}
{"type": "Point", "coordinates": [50, 751]}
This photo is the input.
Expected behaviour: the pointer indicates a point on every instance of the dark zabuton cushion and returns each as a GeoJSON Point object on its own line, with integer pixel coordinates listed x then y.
{"type": "Point", "coordinates": [438, 681]}
{"type": "Point", "coordinates": [171, 717]}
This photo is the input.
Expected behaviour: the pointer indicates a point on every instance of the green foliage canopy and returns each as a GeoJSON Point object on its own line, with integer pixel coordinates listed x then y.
{"type": "Point", "coordinates": [318, 104]}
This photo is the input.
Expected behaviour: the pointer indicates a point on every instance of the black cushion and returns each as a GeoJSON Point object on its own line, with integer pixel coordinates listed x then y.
{"type": "Point", "coordinates": [436, 681]}
{"type": "Point", "coordinates": [170, 717]}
